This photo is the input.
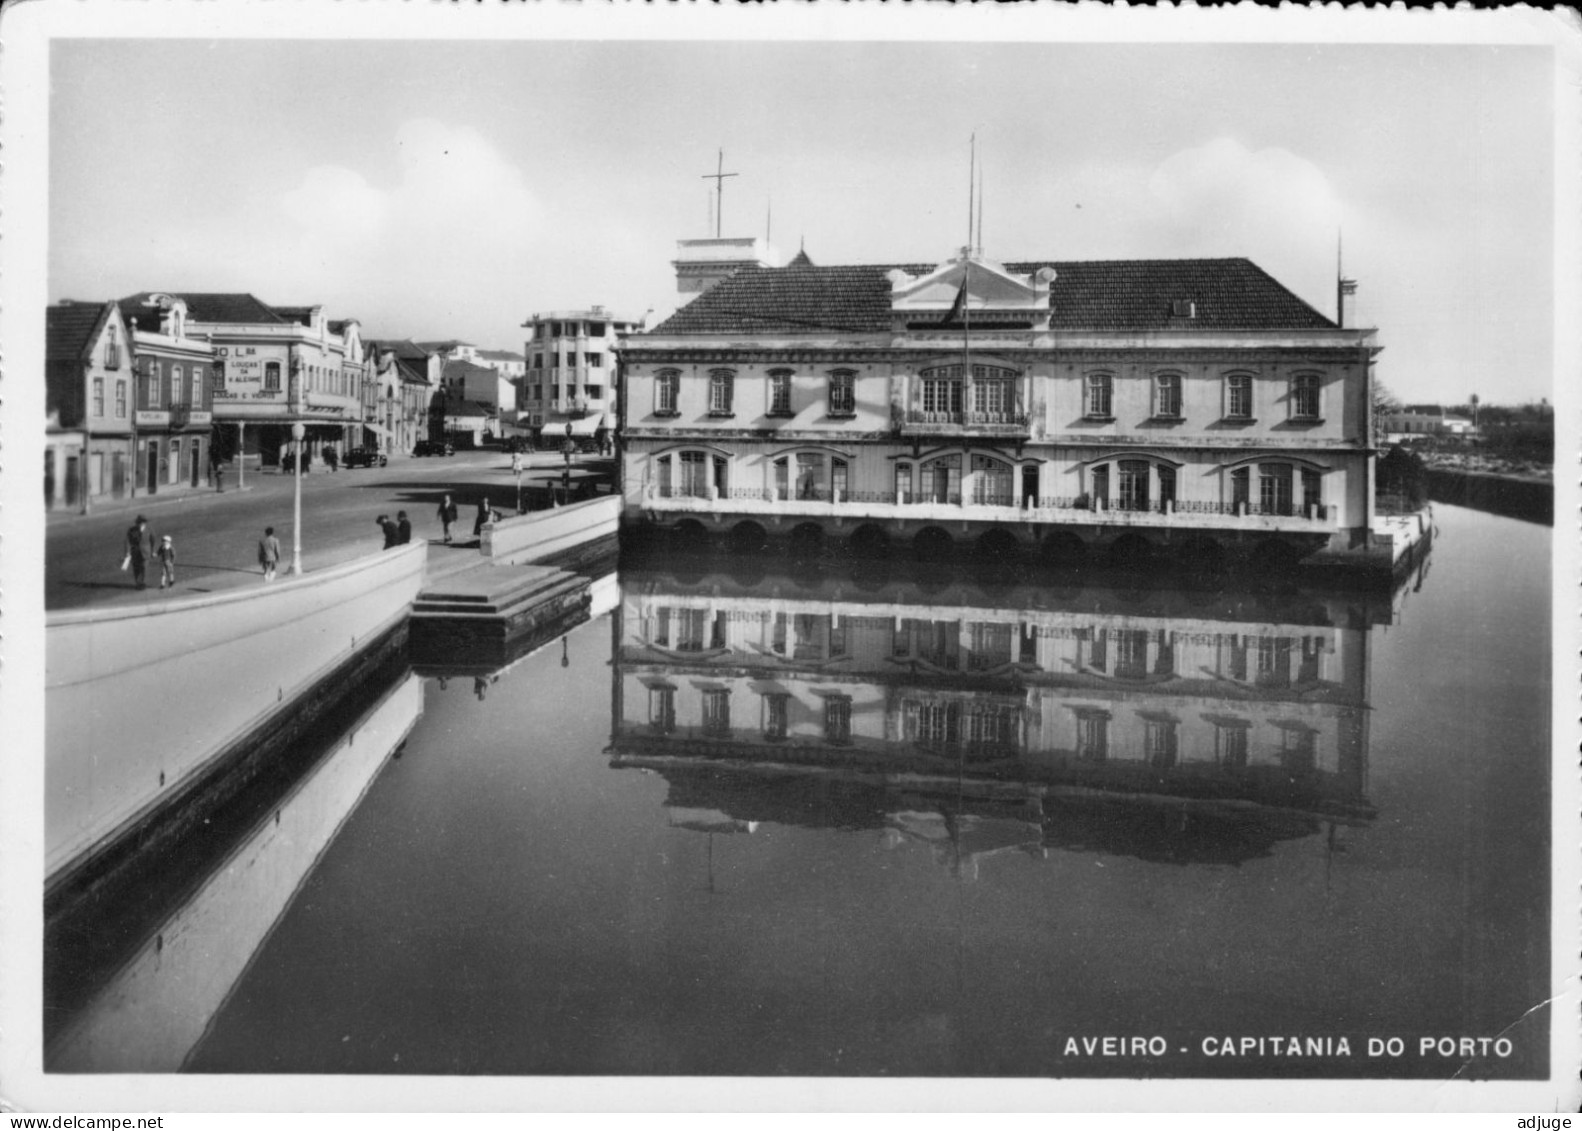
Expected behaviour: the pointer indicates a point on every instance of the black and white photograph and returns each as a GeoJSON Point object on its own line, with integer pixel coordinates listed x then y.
{"type": "Point", "coordinates": [788, 557]}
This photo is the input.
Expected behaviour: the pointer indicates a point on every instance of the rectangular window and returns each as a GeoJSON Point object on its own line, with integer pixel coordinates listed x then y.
{"type": "Point", "coordinates": [1274, 488]}
{"type": "Point", "coordinates": [694, 475]}
{"type": "Point", "coordinates": [271, 376]}
{"type": "Point", "coordinates": [112, 348]}
{"type": "Point", "coordinates": [1240, 487]}
{"type": "Point", "coordinates": [667, 387]}
{"type": "Point", "coordinates": [1133, 485]}
{"type": "Point", "coordinates": [662, 709]}
{"type": "Point", "coordinates": [837, 478]}
{"type": "Point", "coordinates": [98, 396]}
{"type": "Point", "coordinates": [717, 712]}
{"type": "Point", "coordinates": [155, 396]}
{"type": "Point", "coordinates": [1093, 736]}
{"type": "Point", "coordinates": [842, 394]}
{"type": "Point", "coordinates": [1304, 397]}
{"type": "Point", "coordinates": [810, 476]}
{"type": "Point", "coordinates": [1230, 745]}
{"type": "Point", "coordinates": [595, 359]}
{"type": "Point", "coordinates": [1159, 743]}
{"type": "Point", "coordinates": [780, 393]}
{"type": "Point", "coordinates": [994, 396]}
{"type": "Point", "coordinates": [178, 385]}
{"type": "Point", "coordinates": [903, 483]}
{"type": "Point", "coordinates": [120, 399]}
{"type": "Point", "coordinates": [595, 330]}
{"type": "Point", "coordinates": [1167, 396]}
{"type": "Point", "coordinates": [1312, 488]}
{"type": "Point", "coordinates": [722, 384]}
{"type": "Point", "coordinates": [1099, 395]}
{"type": "Point", "coordinates": [777, 713]}
{"type": "Point", "coordinates": [1238, 396]}
{"type": "Point", "coordinates": [837, 720]}
{"type": "Point", "coordinates": [942, 394]}
{"type": "Point", "coordinates": [595, 392]}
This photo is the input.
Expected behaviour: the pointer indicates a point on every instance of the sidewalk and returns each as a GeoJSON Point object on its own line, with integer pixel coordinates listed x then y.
{"type": "Point", "coordinates": [216, 533]}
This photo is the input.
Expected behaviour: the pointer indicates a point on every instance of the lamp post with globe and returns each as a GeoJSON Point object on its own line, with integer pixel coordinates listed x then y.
{"type": "Point", "coordinates": [297, 431]}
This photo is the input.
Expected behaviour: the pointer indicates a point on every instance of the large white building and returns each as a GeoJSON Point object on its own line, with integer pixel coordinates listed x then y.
{"type": "Point", "coordinates": [1124, 408]}
{"type": "Point", "coordinates": [572, 376]}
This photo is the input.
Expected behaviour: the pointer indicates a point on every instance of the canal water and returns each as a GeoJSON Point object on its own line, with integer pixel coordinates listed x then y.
{"type": "Point", "coordinates": [892, 824]}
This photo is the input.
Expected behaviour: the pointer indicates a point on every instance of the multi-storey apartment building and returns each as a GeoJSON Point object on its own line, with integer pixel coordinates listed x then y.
{"type": "Point", "coordinates": [279, 366]}
{"type": "Point", "coordinates": [571, 370]}
{"type": "Point", "coordinates": [1121, 722]}
{"type": "Point", "coordinates": [174, 388]}
{"type": "Point", "coordinates": [1120, 407]}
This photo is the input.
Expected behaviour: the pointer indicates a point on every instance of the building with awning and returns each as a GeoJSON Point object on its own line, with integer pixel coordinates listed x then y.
{"type": "Point", "coordinates": [572, 376]}
{"type": "Point", "coordinates": [277, 366]}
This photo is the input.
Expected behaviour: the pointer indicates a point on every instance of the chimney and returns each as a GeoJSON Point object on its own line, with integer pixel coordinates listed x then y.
{"type": "Point", "coordinates": [700, 264]}
{"type": "Point", "coordinates": [1345, 302]}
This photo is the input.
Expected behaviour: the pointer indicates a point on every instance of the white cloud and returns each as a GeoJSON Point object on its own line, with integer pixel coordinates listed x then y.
{"type": "Point", "coordinates": [337, 204]}
{"type": "Point", "coordinates": [1270, 205]}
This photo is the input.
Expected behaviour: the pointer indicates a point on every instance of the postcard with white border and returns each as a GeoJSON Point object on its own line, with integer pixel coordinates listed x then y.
{"type": "Point", "coordinates": [788, 557]}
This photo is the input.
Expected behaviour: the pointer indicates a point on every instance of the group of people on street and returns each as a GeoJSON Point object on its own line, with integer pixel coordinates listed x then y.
{"type": "Point", "coordinates": [397, 533]}
{"type": "Point", "coordinates": [141, 549]}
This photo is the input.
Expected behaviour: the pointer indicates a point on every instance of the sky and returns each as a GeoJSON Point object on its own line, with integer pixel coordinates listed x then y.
{"type": "Point", "coordinates": [444, 189]}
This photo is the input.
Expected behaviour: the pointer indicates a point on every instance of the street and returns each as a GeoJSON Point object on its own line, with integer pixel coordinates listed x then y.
{"type": "Point", "coordinates": [216, 534]}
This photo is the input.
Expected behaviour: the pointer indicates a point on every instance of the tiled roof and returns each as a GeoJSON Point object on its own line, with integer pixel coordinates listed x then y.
{"type": "Point", "coordinates": [203, 307]}
{"type": "Point", "coordinates": [463, 368]}
{"type": "Point", "coordinates": [404, 349]}
{"type": "Point", "coordinates": [456, 406]}
{"type": "Point", "coordinates": [501, 355]}
{"type": "Point", "coordinates": [70, 330]}
{"type": "Point", "coordinates": [1126, 294]}
{"type": "Point", "coordinates": [302, 315]}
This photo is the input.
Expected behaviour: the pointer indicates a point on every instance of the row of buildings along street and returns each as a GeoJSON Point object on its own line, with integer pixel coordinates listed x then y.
{"type": "Point", "coordinates": [163, 390]}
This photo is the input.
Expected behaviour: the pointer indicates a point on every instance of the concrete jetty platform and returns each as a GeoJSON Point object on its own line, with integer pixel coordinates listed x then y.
{"type": "Point", "coordinates": [480, 614]}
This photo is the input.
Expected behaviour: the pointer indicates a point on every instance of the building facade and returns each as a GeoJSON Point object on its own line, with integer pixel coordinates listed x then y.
{"type": "Point", "coordinates": [174, 387]}
{"type": "Point", "coordinates": [89, 378]}
{"type": "Point", "coordinates": [571, 376]}
{"type": "Point", "coordinates": [278, 366]}
{"type": "Point", "coordinates": [408, 378]}
{"type": "Point", "coordinates": [1128, 408]}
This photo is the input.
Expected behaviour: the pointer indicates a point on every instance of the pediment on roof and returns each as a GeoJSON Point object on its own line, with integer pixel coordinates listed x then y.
{"type": "Point", "coordinates": [978, 284]}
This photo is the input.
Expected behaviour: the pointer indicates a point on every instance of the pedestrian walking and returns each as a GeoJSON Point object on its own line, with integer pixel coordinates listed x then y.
{"type": "Point", "coordinates": [269, 552]}
{"type": "Point", "coordinates": [332, 458]}
{"type": "Point", "coordinates": [483, 517]}
{"type": "Point", "coordinates": [568, 448]}
{"type": "Point", "coordinates": [391, 532]}
{"type": "Point", "coordinates": [448, 514]}
{"type": "Point", "coordinates": [516, 463]}
{"type": "Point", "coordinates": [167, 563]}
{"type": "Point", "coordinates": [403, 529]}
{"type": "Point", "coordinates": [601, 437]}
{"type": "Point", "coordinates": [139, 549]}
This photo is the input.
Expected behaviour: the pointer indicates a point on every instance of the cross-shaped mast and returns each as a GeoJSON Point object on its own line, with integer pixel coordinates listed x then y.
{"type": "Point", "coordinates": [718, 177]}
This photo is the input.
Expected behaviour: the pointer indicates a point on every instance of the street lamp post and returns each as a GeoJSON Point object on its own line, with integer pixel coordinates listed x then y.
{"type": "Point", "coordinates": [297, 432]}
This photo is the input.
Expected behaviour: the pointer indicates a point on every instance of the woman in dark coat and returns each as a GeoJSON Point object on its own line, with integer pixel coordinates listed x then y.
{"type": "Point", "coordinates": [483, 517]}
{"type": "Point", "coordinates": [448, 513]}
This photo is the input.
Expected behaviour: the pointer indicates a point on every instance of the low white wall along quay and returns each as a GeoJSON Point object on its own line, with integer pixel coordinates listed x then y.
{"type": "Point", "coordinates": [140, 700]}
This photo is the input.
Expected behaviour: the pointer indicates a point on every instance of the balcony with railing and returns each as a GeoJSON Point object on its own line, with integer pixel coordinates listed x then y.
{"type": "Point", "coordinates": [934, 422]}
{"type": "Point", "coordinates": [985, 502]}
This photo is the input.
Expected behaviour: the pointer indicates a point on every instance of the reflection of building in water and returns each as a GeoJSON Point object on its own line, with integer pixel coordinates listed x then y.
{"type": "Point", "coordinates": [1121, 722]}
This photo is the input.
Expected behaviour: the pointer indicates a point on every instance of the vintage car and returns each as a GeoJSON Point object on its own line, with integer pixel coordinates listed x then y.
{"type": "Point", "coordinates": [364, 457]}
{"type": "Point", "coordinates": [433, 448]}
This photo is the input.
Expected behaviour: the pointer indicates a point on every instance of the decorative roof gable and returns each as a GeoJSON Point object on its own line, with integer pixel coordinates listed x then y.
{"type": "Point", "coordinates": [970, 288]}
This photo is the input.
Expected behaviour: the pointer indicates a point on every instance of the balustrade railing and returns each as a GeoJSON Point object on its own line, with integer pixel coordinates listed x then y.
{"type": "Point", "coordinates": [935, 416]}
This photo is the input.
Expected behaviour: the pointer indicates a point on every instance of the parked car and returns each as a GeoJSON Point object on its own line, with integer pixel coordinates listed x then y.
{"type": "Point", "coordinates": [433, 448]}
{"type": "Point", "coordinates": [365, 457]}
